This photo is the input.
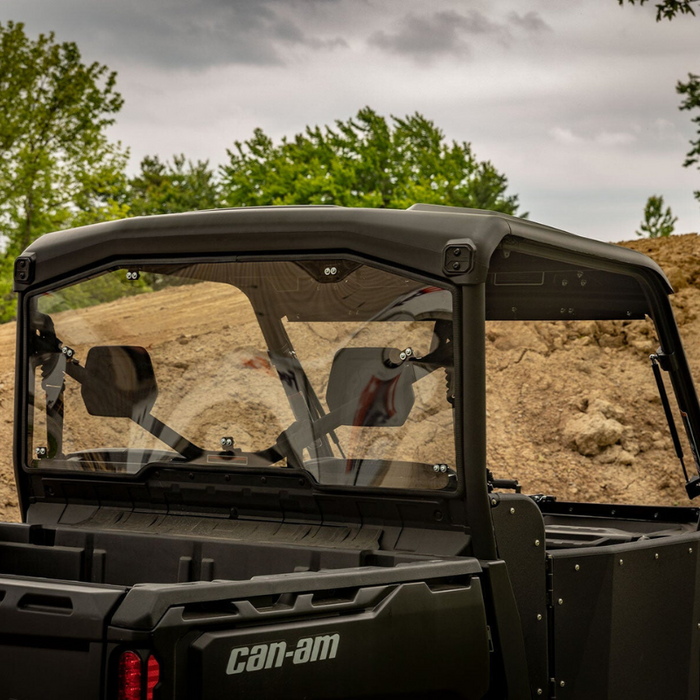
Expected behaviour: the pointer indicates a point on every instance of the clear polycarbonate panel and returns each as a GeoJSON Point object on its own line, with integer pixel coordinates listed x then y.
{"type": "Point", "coordinates": [336, 367]}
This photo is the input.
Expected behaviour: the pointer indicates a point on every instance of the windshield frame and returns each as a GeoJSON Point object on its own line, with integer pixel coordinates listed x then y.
{"type": "Point", "coordinates": [22, 405]}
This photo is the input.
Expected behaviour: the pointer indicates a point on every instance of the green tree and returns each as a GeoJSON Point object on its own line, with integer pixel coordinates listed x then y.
{"type": "Point", "coordinates": [162, 188]}
{"type": "Point", "coordinates": [365, 161]}
{"type": "Point", "coordinates": [667, 9]}
{"type": "Point", "coordinates": [691, 93]}
{"type": "Point", "coordinates": [57, 167]}
{"type": "Point", "coordinates": [657, 222]}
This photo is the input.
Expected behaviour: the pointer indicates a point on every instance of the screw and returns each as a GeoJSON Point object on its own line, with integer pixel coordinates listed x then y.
{"type": "Point", "coordinates": [402, 355]}
{"type": "Point", "coordinates": [494, 502]}
{"type": "Point", "coordinates": [577, 567]}
{"type": "Point", "coordinates": [539, 617]}
{"type": "Point", "coordinates": [584, 282]}
{"type": "Point", "coordinates": [334, 271]}
{"type": "Point", "coordinates": [512, 511]}
{"type": "Point", "coordinates": [621, 562]}
{"type": "Point", "coordinates": [564, 283]}
{"type": "Point", "coordinates": [327, 271]}
{"type": "Point", "coordinates": [562, 310]}
{"type": "Point", "coordinates": [514, 309]}
{"type": "Point", "coordinates": [409, 352]}
{"type": "Point", "coordinates": [562, 684]}
{"type": "Point", "coordinates": [561, 601]}
{"type": "Point", "coordinates": [537, 543]}
{"type": "Point", "coordinates": [436, 468]}
{"type": "Point", "coordinates": [457, 252]}
{"type": "Point", "coordinates": [690, 550]}
{"type": "Point", "coordinates": [656, 555]}
{"type": "Point", "coordinates": [539, 691]}
{"type": "Point", "coordinates": [455, 265]}
{"type": "Point", "coordinates": [443, 468]}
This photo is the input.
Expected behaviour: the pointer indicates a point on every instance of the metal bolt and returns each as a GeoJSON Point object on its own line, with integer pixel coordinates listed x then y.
{"type": "Point", "coordinates": [562, 684]}
{"type": "Point", "coordinates": [514, 309]}
{"type": "Point", "coordinates": [537, 543]}
{"type": "Point", "coordinates": [327, 271]}
{"type": "Point", "coordinates": [443, 468]}
{"type": "Point", "coordinates": [564, 283]}
{"type": "Point", "coordinates": [539, 691]}
{"type": "Point", "coordinates": [334, 271]}
{"type": "Point", "coordinates": [561, 601]}
{"type": "Point", "coordinates": [577, 567]}
{"type": "Point", "coordinates": [690, 550]}
{"type": "Point", "coordinates": [455, 266]}
{"type": "Point", "coordinates": [457, 252]}
{"type": "Point", "coordinates": [621, 562]}
{"type": "Point", "coordinates": [494, 502]}
{"type": "Point", "coordinates": [584, 282]}
{"type": "Point", "coordinates": [402, 355]}
{"type": "Point", "coordinates": [571, 311]}
{"type": "Point", "coordinates": [539, 617]}
{"type": "Point", "coordinates": [409, 352]}
{"type": "Point", "coordinates": [436, 468]}
{"type": "Point", "coordinates": [656, 555]}
{"type": "Point", "coordinates": [512, 511]}
{"type": "Point", "coordinates": [562, 310]}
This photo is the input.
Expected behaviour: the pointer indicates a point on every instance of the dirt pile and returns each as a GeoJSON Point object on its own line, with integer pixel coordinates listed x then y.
{"type": "Point", "coordinates": [573, 408]}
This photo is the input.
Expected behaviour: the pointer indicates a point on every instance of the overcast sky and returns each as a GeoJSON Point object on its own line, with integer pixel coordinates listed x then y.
{"type": "Point", "coordinates": [574, 102]}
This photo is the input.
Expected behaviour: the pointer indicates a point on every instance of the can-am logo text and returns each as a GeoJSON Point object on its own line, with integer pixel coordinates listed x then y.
{"type": "Point", "coordinates": [274, 654]}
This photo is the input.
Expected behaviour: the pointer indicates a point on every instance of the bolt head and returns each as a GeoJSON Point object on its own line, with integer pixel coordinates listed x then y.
{"type": "Point", "coordinates": [512, 511]}
{"type": "Point", "coordinates": [443, 468]}
{"type": "Point", "coordinates": [577, 568]}
{"type": "Point", "coordinates": [455, 266]}
{"type": "Point", "coordinates": [539, 617]}
{"type": "Point", "coordinates": [539, 691]}
{"type": "Point", "coordinates": [327, 271]}
{"type": "Point", "coordinates": [409, 352]}
{"type": "Point", "coordinates": [537, 543]}
{"type": "Point", "coordinates": [690, 550]}
{"type": "Point", "coordinates": [622, 561]}
{"type": "Point", "coordinates": [334, 271]}
{"type": "Point", "coordinates": [656, 555]}
{"type": "Point", "coordinates": [436, 468]}
{"type": "Point", "coordinates": [494, 502]}
{"type": "Point", "coordinates": [562, 684]}
{"type": "Point", "coordinates": [456, 252]}
{"type": "Point", "coordinates": [560, 601]}
{"type": "Point", "coordinates": [402, 356]}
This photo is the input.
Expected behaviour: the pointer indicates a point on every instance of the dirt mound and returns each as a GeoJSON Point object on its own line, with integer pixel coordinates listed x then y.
{"type": "Point", "coordinates": [573, 409]}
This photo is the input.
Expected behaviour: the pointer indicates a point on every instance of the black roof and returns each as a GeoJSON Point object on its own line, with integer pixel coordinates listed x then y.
{"type": "Point", "coordinates": [414, 238]}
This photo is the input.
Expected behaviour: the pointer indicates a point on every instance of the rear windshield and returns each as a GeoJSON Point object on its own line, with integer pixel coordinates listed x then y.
{"type": "Point", "coordinates": [331, 366]}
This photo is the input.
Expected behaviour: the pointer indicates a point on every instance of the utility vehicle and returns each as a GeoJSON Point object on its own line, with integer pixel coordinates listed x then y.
{"type": "Point", "coordinates": [250, 451]}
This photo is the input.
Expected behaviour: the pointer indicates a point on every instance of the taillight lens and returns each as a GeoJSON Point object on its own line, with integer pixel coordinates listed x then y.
{"type": "Point", "coordinates": [152, 676]}
{"type": "Point", "coordinates": [129, 676]}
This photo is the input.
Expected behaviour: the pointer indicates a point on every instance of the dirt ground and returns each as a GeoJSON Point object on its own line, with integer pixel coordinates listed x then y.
{"type": "Point", "coordinates": [573, 409]}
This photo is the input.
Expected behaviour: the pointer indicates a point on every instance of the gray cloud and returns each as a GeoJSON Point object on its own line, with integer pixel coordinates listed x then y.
{"type": "Point", "coordinates": [179, 33]}
{"type": "Point", "coordinates": [446, 32]}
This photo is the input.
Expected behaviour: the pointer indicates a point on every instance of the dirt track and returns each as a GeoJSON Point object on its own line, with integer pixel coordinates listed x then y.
{"type": "Point", "coordinates": [544, 382]}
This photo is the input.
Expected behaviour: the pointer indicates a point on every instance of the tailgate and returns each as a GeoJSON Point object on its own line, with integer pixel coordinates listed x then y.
{"type": "Point", "coordinates": [415, 630]}
{"type": "Point", "coordinates": [52, 638]}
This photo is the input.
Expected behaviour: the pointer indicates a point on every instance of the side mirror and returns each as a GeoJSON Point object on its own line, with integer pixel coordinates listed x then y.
{"type": "Point", "coordinates": [377, 391]}
{"type": "Point", "coordinates": [119, 381]}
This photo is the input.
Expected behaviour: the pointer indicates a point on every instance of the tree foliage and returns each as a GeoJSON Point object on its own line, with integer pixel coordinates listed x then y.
{"type": "Point", "coordinates": [366, 161]}
{"type": "Point", "coordinates": [667, 9]}
{"type": "Point", "coordinates": [57, 167]}
{"type": "Point", "coordinates": [691, 101]}
{"type": "Point", "coordinates": [164, 188]}
{"type": "Point", "coordinates": [657, 222]}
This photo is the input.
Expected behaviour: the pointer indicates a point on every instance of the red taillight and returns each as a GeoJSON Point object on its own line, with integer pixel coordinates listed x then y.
{"type": "Point", "coordinates": [129, 676]}
{"type": "Point", "coordinates": [152, 676]}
